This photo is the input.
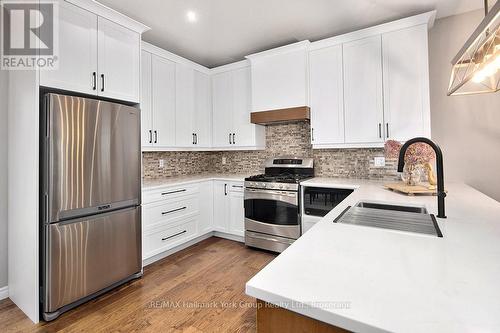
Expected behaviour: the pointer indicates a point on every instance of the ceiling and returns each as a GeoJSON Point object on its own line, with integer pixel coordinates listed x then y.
{"type": "Point", "coordinates": [227, 30]}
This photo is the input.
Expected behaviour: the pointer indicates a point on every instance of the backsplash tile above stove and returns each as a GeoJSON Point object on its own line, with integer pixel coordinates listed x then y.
{"type": "Point", "coordinates": [284, 139]}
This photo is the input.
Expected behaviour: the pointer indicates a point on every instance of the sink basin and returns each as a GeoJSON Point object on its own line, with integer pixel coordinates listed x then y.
{"type": "Point", "coordinates": [414, 219]}
{"type": "Point", "coordinates": [398, 208]}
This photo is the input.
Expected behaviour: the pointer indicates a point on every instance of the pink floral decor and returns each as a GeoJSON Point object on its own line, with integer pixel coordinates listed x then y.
{"type": "Point", "coordinates": [417, 158]}
{"type": "Point", "coordinates": [417, 153]}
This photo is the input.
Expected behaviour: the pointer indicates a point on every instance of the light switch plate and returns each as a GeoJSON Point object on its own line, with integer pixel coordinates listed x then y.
{"type": "Point", "coordinates": [379, 161]}
{"type": "Point", "coordinates": [162, 163]}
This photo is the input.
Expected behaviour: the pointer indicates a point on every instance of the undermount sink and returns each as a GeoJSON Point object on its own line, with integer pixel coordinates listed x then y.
{"type": "Point", "coordinates": [391, 216]}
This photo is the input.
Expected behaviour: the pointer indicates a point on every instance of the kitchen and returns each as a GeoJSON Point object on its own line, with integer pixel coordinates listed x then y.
{"type": "Point", "coordinates": [154, 191]}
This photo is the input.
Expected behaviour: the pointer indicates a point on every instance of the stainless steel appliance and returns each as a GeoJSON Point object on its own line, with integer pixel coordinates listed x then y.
{"type": "Point", "coordinates": [272, 213]}
{"type": "Point", "coordinates": [90, 199]}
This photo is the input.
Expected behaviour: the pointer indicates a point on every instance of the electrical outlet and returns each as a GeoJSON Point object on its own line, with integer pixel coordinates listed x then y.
{"type": "Point", "coordinates": [379, 161]}
{"type": "Point", "coordinates": [162, 163]}
{"type": "Point", "coordinates": [224, 160]}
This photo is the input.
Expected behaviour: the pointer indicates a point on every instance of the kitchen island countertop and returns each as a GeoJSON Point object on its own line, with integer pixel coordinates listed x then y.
{"type": "Point", "coordinates": [375, 280]}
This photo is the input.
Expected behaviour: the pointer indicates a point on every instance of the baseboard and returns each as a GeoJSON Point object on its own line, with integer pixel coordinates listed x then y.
{"type": "Point", "coordinates": [178, 248]}
{"type": "Point", "coordinates": [232, 237]}
{"type": "Point", "coordinates": [4, 292]}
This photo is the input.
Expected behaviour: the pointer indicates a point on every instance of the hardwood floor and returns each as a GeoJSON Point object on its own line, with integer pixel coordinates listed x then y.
{"type": "Point", "coordinates": [199, 289]}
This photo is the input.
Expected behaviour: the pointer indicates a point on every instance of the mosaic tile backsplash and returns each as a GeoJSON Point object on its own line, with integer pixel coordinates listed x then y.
{"type": "Point", "coordinates": [284, 139]}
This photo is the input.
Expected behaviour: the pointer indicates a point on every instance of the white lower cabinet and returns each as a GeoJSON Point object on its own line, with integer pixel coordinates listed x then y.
{"type": "Point", "coordinates": [236, 213]}
{"type": "Point", "coordinates": [174, 215]}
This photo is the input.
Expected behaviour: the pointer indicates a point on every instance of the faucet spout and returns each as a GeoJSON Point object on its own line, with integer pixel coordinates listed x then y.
{"type": "Point", "coordinates": [441, 194]}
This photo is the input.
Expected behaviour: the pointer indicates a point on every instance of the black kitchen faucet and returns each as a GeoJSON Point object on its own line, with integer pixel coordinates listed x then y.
{"type": "Point", "coordinates": [441, 194]}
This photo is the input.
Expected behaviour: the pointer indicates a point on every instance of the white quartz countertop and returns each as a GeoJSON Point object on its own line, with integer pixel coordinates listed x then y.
{"type": "Point", "coordinates": [375, 280]}
{"type": "Point", "coordinates": [151, 184]}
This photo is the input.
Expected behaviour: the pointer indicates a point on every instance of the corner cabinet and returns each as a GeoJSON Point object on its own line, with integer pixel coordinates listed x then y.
{"type": "Point", "coordinates": [97, 56]}
{"type": "Point", "coordinates": [371, 85]}
{"type": "Point", "coordinates": [232, 128]}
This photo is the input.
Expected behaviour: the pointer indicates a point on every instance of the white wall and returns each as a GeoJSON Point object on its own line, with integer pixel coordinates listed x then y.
{"type": "Point", "coordinates": [3, 177]}
{"type": "Point", "coordinates": [466, 127]}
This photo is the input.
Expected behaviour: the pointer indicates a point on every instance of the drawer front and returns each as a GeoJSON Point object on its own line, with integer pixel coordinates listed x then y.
{"type": "Point", "coordinates": [164, 212]}
{"type": "Point", "coordinates": [236, 186]}
{"type": "Point", "coordinates": [163, 239]}
{"type": "Point", "coordinates": [170, 192]}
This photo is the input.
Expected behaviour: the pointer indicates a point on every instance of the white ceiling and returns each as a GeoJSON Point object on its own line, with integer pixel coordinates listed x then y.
{"type": "Point", "coordinates": [227, 30]}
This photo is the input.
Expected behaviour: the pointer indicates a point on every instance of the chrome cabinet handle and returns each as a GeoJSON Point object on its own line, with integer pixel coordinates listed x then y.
{"type": "Point", "coordinates": [173, 210]}
{"type": "Point", "coordinates": [225, 189]}
{"type": "Point", "coordinates": [238, 186]}
{"type": "Point", "coordinates": [230, 138]}
{"type": "Point", "coordinates": [174, 235]}
{"type": "Point", "coordinates": [192, 136]}
{"type": "Point", "coordinates": [150, 136]}
{"type": "Point", "coordinates": [312, 134]}
{"type": "Point", "coordinates": [387, 130]}
{"type": "Point", "coordinates": [173, 192]}
{"type": "Point", "coordinates": [94, 81]}
{"type": "Point", "coordinates": [156, 136]}
{"type": "Point", "coordinates": [195, 138]}
{"type": "Point", "coordinates": [234, 139]}
{"type": "Point", "coordinates": [380, 130]}
{"type": "Point", "coordinates": [102, 82]}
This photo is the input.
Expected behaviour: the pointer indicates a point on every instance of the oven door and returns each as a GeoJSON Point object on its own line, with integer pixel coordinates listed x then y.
{"type": "Point", "coordinates": [272, 212]}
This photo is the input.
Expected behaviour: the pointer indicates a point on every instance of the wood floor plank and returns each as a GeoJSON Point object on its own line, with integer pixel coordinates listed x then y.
{"type": "Point", "coordinates": [207, 279]}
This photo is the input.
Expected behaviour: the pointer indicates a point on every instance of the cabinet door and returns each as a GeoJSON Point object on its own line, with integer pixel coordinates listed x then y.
{"type": "Point", "coordinates": [327, 96]}
{"type": "Point", "coordinates": [221, 207]}
{"type": "Point", "coordinates": [406, 83]}
{"type": "Point", "coordinates": [119, 52]}
{"type": "Point", "coordinates": [77, 51]}
{"type": "Point", "coordinates": [236, 213]}
{"type": "Point", "coordinates": [163, 101]}
{"type": "Point", "coordinates": [206, 216]}
{"type": "Point", "coordinates": [363, 91]}
{"type": "Point", "coordinates": [243, 129]}
{"type": "Point", "coordinates": [184, 109]}
{"type": "Point", "coordinates": [222, 85]}
{"type": "Point", "coordinates": [146, 110]}
{"type": "Point", "coordinates": [202, 110]}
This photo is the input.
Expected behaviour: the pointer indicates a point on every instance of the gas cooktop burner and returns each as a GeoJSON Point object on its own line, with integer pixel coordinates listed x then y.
{"type": "Point", "coordinates": [281, 178]}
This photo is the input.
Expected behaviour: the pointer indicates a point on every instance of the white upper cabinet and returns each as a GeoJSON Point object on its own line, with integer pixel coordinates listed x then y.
{"type": "Point", "coordinates": [327, 96]}
{"type": "Point", "coordinates": [77, 65]}
{"type": "Point", "coordinates": [363, 104]}
{"type": "Point", "coordinates": [119, 52]}
{"type": "Point", "coordinates": [371, 85]}
{"type": "Point", "coordinates": [96, 55]}
{"type": "Point", "coordinates": [163, 102]}
{"type": "Point", "coordinates": [146, 109]}
{"type": "Point", "coordinates": [244, 131]}
{"type": "Point", "coordinates": [184, 109]}
{"type": "Point", "coordinates": [222, 94]}
{"type": "Point", "coordinates": [280, 77]}
{"type": "Point", "coordinates": [232, 128]}
{"type": "Point", "coordinates": [406, 83]}
{"type": "Point", "coordinates": [202, 110]}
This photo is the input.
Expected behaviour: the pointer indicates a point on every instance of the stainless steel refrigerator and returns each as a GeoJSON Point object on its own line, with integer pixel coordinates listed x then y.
{"type": "Point", "coordinates": [90, 199]}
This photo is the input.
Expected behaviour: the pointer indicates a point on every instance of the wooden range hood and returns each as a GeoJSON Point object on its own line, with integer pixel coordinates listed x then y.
{"type": "Point", "coordinates": [279, 116]}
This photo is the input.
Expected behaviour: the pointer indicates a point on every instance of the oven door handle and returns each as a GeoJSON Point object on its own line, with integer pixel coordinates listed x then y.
{"type": "Point", "coordinates": [290, 198]}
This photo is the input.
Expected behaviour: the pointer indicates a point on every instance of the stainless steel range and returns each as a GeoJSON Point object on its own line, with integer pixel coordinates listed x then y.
{"type": "Point", "coordinates": [272, 210]}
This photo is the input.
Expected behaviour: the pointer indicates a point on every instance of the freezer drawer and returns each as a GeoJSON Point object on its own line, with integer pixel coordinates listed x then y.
{"type": "Point", "coordinates": [87, 255]}
{"type": "Point", "coordinates": [91, 157]}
